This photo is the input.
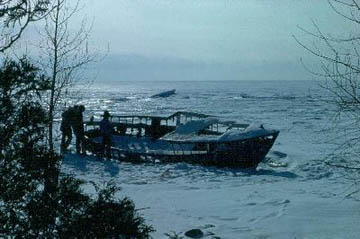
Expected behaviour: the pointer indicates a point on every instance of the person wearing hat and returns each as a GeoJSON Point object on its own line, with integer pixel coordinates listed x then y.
{"type": "Point", "coordinates": [77, 125]}
{"type": "Point", "coordinates": [106, 130]}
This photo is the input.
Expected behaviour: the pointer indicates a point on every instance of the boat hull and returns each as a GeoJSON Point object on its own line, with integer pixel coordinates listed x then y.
{"type": "Point", "coordinates": [235, 154]}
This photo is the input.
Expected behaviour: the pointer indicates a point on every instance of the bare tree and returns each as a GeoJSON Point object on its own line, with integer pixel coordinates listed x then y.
{"type": "Point", "coordinates": [64, 53]}
{"type": "Point", "coordinates": [16, 15]}
{"type": "Point", "coordinates": [340, 67]}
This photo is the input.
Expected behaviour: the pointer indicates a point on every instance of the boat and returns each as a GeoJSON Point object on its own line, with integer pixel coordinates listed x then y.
{"type": "Point", "coordinates": [184, 137]}
{"type": "Point", "coordinates": [164, 94]}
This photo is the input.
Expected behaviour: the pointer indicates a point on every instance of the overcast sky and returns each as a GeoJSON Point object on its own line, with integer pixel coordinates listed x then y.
{"type": "Point", "coordinates": [205, 39]}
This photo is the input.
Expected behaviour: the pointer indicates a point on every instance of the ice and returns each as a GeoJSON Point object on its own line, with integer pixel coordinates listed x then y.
{"type": "Point", "coordinates": [294, 193]}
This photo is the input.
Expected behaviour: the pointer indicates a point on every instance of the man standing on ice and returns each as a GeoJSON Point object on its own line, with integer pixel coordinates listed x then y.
{"type": "Point", "coordinates": [65, 129]}
{"type": "Point", "coordinates": [106, 129]}
{"type": "Point", "coordinates": [77, 125]}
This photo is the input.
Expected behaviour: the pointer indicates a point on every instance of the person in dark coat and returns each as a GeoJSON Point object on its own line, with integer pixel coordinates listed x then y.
{"type": "Point", "coordinates": [65, 128]}
{"type": "Point", "coordinates": [106, 130]}
{"type": "Point", "coordinates": [77, 124]}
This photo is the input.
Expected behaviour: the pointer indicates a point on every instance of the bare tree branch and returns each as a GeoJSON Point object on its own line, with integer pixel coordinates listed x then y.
{"type": "Point", "coordinates": [340, 67]}
{"type": "Point", "coordinates": [66, 52]}
{"type": "Point", "coordinates": [15, 16]}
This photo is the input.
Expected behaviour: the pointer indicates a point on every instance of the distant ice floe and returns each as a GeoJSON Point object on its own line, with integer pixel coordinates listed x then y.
{"type": "Point", "coordinates": [121, 99]}
{"type": "Point", "coordinates": [275, 96]}
{"type": "Point", "coordinates": [164, 94]}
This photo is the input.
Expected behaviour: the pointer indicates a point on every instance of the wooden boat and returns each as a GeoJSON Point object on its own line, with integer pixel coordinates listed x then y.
{"type": "Point", "coordinates": [184, 137]}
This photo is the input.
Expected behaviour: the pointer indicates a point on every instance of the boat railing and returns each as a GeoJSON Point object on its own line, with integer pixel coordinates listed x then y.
{"type": "Point", "coordinates": [178, 117]}
{"type": "Point", "coordinates": [138, 121]}
{"type": "Point", "coordinates": [172, 120]}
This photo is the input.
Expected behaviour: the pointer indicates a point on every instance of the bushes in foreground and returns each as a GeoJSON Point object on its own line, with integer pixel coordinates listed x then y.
{"type": "Point", "coordinates": [35, 200]}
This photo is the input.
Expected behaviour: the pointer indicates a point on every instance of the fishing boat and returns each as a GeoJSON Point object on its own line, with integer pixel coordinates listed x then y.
{"type": "Point", "coordinates": [184, 137]}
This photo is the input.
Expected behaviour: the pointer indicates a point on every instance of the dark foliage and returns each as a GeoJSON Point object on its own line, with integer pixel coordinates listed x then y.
{"type": "Point", "coordinates": [34, 201]}
{"type": "Point", "coordinates": [107, 218]}
{"type": "Point", "coordinates": [15, 16]}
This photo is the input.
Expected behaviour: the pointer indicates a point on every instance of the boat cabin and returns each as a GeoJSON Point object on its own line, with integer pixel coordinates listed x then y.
{"type": "Point", "coordinates": [179, 123]}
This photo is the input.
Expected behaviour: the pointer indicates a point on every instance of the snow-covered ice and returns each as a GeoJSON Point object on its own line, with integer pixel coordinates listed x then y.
{"type": "Point", "coordinates": [294, 193]}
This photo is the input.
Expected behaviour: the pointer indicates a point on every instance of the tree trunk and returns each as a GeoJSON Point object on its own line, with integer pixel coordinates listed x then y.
{"type": "Point", "coordinates": [51, 171]}
{"type": "Point", "coordinates": [53, 80]}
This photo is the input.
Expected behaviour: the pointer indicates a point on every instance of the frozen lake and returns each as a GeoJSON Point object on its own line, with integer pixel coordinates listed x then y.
{"type": "Point", "coordinates": [306, 199]}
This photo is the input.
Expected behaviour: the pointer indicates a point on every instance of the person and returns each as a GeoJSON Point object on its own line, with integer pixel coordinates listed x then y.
{"type": "Point", "coordinates": [65, 129]}
{"type": "Point", "coordinates": [106, 129]}
{"type": "Point", "coordinates": [77, 125]}
{"type": "Point", "coordinates": [155, 128]}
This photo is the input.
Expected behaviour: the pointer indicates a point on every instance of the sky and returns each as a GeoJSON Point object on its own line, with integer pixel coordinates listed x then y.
{"type": "Point", "coordinates": [204, 39]}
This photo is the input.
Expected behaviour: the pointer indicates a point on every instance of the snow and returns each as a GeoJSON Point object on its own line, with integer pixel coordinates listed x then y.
{"type": "Point", "coordinates": [235, 134]}
{"type": "Point", "coordinates": [266, 203]}
{"type": "Point", "coordinates": [195, 126]}
{"type": "Point", "coordinates": [189, 132]}
{"type": "Point", "coordinates": [304, 198]}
